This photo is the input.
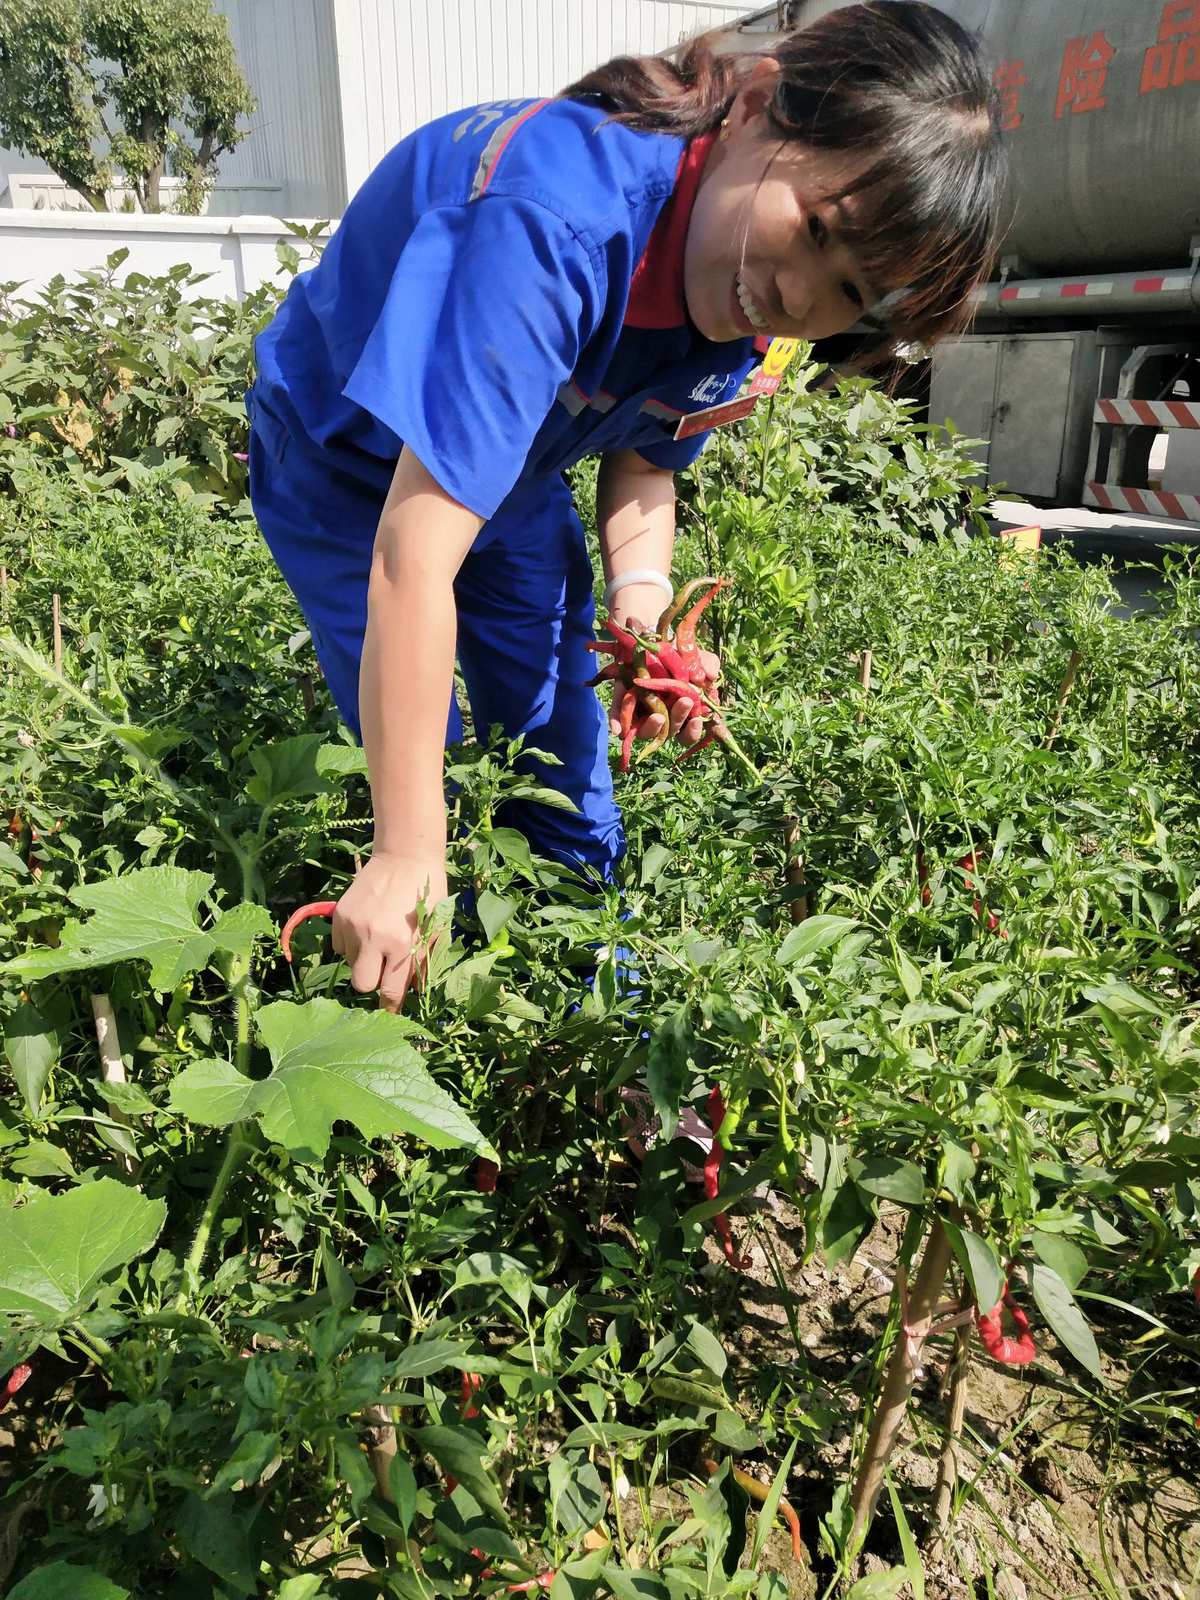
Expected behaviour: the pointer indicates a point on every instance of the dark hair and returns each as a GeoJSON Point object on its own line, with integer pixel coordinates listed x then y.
{"type": "Point", "coordinates": [895, 83]}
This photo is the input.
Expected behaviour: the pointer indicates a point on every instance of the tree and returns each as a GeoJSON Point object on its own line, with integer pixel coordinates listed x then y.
{"type": "Point", "coordinates": [136, 86]}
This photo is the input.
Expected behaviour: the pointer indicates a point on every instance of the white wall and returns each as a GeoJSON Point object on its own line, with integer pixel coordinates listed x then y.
{"type": "Point", "coordinates": [404, 62]}
{"type": "Point", "coordinates": [238, 253]}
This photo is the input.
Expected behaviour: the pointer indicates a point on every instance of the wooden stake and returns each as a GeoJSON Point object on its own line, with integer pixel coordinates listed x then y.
{"type": "Point", "coordinates": [307, 693]}
{"type": "Point", "coordinates": [1074, 662]}
{"type": "Point", "coordinates": [892, 1405]}
{"type": "Point", "coordinates": [794, 870]}
{"type": "Point", "coordinates": [112, 1067]}
{"type": "Point", "coordinates": [958, 1373]}
{"type": "Point", "coordinates": [864, 680]}
{"type": "Point", "coordinates": [56, 620]}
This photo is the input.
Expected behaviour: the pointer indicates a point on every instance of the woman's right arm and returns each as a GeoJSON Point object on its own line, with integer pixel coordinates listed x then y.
{"type": "Point", "coordinates": [405, 683]}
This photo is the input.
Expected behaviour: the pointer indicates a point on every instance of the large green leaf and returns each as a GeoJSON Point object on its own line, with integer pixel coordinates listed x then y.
{"type": "Point", "coordinates": [62, 1581]}
{"type": "Point", "coordinates": [31, 1049]}
{"type": "Point", "coordinates": [812, 935]}
{"type": "Point", "coordinates": [56, 1249]}
{"type": "Point", "coordinates": [1057, 1304]}
{"type": "Point", "coordinates": [289, 769]}
{"type": "Point", "coordinates": [330, 1064]}
{"type": "Point", "coordinates": [147, 915]}
{"type": "Point", "coordinates": [979, 1260]}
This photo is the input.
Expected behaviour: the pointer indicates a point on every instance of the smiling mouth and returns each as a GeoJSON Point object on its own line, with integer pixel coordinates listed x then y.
{"type": "Point", "coordinates": [750, 307]}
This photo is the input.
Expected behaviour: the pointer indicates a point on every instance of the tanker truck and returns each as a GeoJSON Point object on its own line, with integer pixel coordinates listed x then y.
{"type": "Point", "coordinates": [1080, 376]}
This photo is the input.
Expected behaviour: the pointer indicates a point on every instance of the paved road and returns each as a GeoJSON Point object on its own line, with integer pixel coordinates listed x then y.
{"type": "Point", "coordinates": [1134, 543]}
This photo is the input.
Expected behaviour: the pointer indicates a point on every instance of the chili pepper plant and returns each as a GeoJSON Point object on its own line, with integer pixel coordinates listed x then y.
{"type": "Point", "coordinates": [305, 1299]}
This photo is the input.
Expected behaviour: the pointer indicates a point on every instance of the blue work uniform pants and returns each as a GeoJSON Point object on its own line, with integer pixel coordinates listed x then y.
{"type": "Point", "coordinates": [525, 615]}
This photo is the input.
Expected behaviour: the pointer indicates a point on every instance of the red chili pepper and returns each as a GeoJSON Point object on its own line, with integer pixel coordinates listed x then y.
{"type": "Point", "coordinates": [471, 1384]}
{"type": "Point", "coordinates": [316, 908]}
{"type": "Point", "coordinates": [17, 1379]}
{"type": "Point", "coordinates": [712, 1181]}
{"type": "Point", "coordinates": [1010, 1352]}
{"type": "Point", "coordinates": [685, 628]}
{"type": "Point", "coordinates": [923, 878]}
{"type": "Point", "coordinates": [1196, 1286]}
{"type": "Point", "coordinates": [486, 1173]}
{"type": "Point", "coordinates": [626, 715]}
{"type": "Point", "coordinates": [970, 863]}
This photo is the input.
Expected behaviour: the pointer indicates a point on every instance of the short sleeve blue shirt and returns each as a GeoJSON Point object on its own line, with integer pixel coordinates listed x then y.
{"type": "Point", "coordinates": [503, 295]}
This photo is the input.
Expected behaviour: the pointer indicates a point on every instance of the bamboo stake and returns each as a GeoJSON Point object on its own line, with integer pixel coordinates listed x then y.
{"type": "Point", "coordinates": [958, 1373]}
{"type": "Point", "coordinates": [56, 620]}
{"type": "Point", "coordinates": [794, 870]}
{"type": "Point", "coordinates": [864, 680]}
{"type": "Point", "coordinates": [892, 1405]}
{"type": "Point", "coordinates": [112, 1067]}
{"type": "Point", "coordinates": [1064, 691]}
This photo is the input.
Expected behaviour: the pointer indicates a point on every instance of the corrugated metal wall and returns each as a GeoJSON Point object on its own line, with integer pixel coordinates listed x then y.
{"type": "Point", "coordinates": [403, 62]}
{"type": "Point", "coordinates": [287, 51]}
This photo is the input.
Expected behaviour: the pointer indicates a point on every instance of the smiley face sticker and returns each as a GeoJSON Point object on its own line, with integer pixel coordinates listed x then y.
{"type": "Point", "coordinates": [775, 364]}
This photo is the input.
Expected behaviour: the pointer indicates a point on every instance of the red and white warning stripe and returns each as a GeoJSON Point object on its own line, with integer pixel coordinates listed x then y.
{"type": "Point", "coordinates": [1146, 502]}
{"type": "Point", "coordinates": [1148, 413]}
{"type": "Point", "coordinates": [1094, 288]}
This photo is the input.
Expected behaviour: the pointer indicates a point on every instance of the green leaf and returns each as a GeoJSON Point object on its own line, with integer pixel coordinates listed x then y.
{"type": "Point", "coordinates": [813, 935]}
{"type": "Point", "coordinates": [909, 975]}
{"type": "Point", "coordinates": [913, 1566]}
{"type": "Point", "coordinates": [668, 1058]}
{"type": "Point", "coordinates": [708, 1349]}
{"type": "Point", "coordinates": [424, 1356]}
{"type": "Point", "coordinates": [289, 769]}
{"type": "Point", "coordinates": [577, 1496]}
{"type": "Point", "coordinates": [890, 1179]}
{"type": "Point", "coordinates": [235, 930]}
{"type": "Point", "coordinates": [880, 1585]}
{"type": "Point", "coordinates": [653, 862]}
{"type": "Point", "coordinates": [770, 1506]}
{"type": "Point", "coordinates": [494, 910]}
{"type": "Point", "coordinates": [1063, 1256]}
{"type": "Point", "coordinates": [252, 1455]}
{"type": "Point", "coordinates": [308, 1586]}
{"type": "Point", "coordinates": [958, 1167]}
{"type": "Point", "coordinates": [62, 1581]}
{"type": "Point", "coordinates": [216, 1536]}
{"type": "Point", "coordinates": [846, 1224]}
{"type": "Point", "coordinates": [980, 1261]}
{"type": "Point", "coordinates": [1057, 1304]}
{"type": "Point", "coordinates": [459, 1452]}
{"type": "Point", "coordinates": [627, 1585]}
{"type": "Point", "coordinates": [56, 1249]}
{"type": "Point", "coordinates": [403, 1484]}
{"type": "Point", "coordinates": [146, 915]}
{"type": "Point", "coordinates": [329, 1064]}
{"type": "Point", "coordinates": [31, 1049]}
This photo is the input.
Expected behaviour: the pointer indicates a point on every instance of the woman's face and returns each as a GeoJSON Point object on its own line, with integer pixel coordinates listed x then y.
{"type": "Point", "coordinates": [763, 253]}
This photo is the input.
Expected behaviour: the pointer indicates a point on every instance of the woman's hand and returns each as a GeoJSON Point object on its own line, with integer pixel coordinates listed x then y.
{"type": "Point", "coordinates": [375, 927]}
{"type": "Point", "coordinates": [688, 730]}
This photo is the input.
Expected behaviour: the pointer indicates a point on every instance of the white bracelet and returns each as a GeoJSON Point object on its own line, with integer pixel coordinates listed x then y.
{"type": "Point", "coordinates": [626, 580]}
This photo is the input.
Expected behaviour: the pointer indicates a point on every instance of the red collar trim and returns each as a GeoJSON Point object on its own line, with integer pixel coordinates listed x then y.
{"type": "Point", "coordinates": [656, 289]}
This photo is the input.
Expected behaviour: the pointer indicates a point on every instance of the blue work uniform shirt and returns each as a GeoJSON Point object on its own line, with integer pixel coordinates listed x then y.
{"type": "Point", "coordinates": [505, 296]}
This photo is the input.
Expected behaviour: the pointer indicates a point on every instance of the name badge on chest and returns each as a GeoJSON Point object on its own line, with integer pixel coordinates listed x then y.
{"type": "Point", "coordinates": [766, 381]}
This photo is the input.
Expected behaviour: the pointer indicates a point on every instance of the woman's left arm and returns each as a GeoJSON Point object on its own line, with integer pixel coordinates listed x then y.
{"type": "Point", "coordinates": [635, 518]}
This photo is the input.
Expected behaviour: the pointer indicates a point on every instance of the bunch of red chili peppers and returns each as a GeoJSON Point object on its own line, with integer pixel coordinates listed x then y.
{"type": "Point", "coordinates": [664, 673]}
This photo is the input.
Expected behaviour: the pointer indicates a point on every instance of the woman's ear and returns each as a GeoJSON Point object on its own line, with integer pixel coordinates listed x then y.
{"type": "Point", "coordinates": [756, 93]}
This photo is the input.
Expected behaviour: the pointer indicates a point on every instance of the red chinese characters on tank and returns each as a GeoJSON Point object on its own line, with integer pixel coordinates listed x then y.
{"type": "Point", "coordinates": [1010, 79]}
{"type": "Point", "coordinates": [1083, 74]}
{"type": "Point", "coordinates": [1175, 59]}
